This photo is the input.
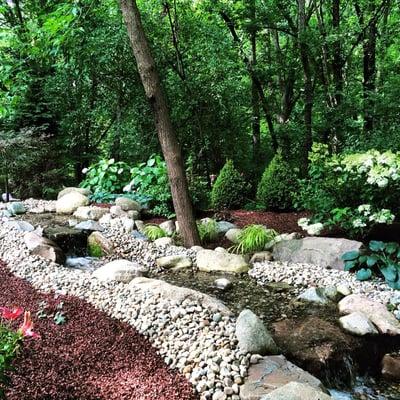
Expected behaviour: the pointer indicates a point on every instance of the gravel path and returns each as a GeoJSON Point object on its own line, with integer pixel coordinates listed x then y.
{"type": "Point", "coordinates": [90, 357]}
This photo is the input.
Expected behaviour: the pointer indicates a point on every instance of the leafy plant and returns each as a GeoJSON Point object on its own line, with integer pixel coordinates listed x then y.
{"type": "Point", "coordinates": [103, 197]}
{"type": "Point", "coordinates": [150, 179]}
{"type": "Point", "coordinates": [380, 259]}
{"type": "Point", "coordinates": [154, 232]}
{"type": "Point", "coordinates": [208, 230]}
{"type": "Point", "coordinates": [253, 238]}
{"type": "Point", "coordinates": [107, 176]}
{"type": "Point", "coordinates": [278, 186]}
{"type": "Point", "coordinates": [230, 188]}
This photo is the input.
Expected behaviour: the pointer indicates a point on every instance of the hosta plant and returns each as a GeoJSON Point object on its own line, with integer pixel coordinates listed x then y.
{"type": "Point", "coordinates": [380, 259]}
{"type": "Point", "coordinates": [253, 238]}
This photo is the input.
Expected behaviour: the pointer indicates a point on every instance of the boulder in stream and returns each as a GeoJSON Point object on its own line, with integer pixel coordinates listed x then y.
{"type": "Point", "coordinates": [70, 202]}
{"type": "Point", "coordinates": [120, 271]}
{"type": "Point", "coordinates": [211, 260]}
{"type": "Point", "coordinates": [296, 391]}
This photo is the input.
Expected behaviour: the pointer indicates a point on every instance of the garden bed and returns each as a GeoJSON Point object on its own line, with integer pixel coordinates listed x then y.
{"type": "Point", "coordinates": [90, 357]}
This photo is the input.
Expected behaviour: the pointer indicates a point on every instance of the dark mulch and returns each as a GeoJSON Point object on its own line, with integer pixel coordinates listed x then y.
{"type": "Point", "coordinates": [91, 357]}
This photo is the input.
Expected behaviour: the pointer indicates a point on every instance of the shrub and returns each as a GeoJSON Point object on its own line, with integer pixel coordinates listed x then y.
{"type": "Point", "coordinates": [353, 191]}
{"type": "Point", "coordinates": [278, 186]}
{"type": "Point", "coordinates": [253, 238]}
{"type": "Point", "coordinates": [380, 259]}
{"type": "Point", "coordinates": [230, 188]}
{"type": "Point", "coordinates": [151, 179]}
{"type": "Point", "coordinates": [208, 230]}
{"type": "Point", "coordinates": [107, 176]}
{"type": "Point", "coordinates": [154, 232]}
{"type": "Point", "coordinates": [199, 192]}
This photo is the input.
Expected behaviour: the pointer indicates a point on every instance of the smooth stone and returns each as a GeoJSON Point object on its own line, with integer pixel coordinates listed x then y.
{"type": "Point", "coordinates": [133, 214]}
{"type": "Point", "coordinates": [90, 212]}
{"type": "Point", "coordinates": [98, 239]}
{"type": "Point", "coordinates": [253, 336]}
{"type": "Point", "coordinates": [178, 294]}
{"type": "Point", "coordinates": [391, 367]}
{"type": "Point", "coordinates": [21, 226]}
{"type": "Point", "coordinates": [314, 295]}
{"type": "Point", "coordinates": [357, 323]}
{"type": "Point", "coordinates": [70, 202]}
{"type": "Point", "coordinates": [378, 314]}
{"type": "Point", "coordinates": [51, 253]}
{"type": "Point", "coordinates": [209, 260]}
{"type": "Point", "coordinates": [321, 251]}
{"type": "Point", "coordinates": [223, 283]}
{"type": "Point", "coordinates": [224, 226]}
{"type": "Point", "coordinates": [16, 208]}
{"type": "Point", "coordinates": [174, 262]}
{"type": "Point", "coordinates": [296, 391]}
{"type": "Point", "coordinates": [117, 211]}
{"type": "Point", "coordinates": [90, 226]}
{"type": "Point", "coordinates": [68, 190]}
{"type": "Point", "coordinates": [168, 227]}
{"type": "Point", "coordinates": [164, 241]}
{"type": "Point", "coordinates": [233, 235]}
{"type": "Point", "coordinates": [273, 372]}
{"type": "Point", "coordinates": [127, 204]}
{"type": "Point", "coordinates": [279, 238]}
{"type": "Point", "coordinates": [79, 262]}
{"type": "Point", "coordinates": [332, 293]}
{"type": "Point", "coordinates": [120, 271]}
{"type": "Point", "coordinates": [33, 240]}
{"type": "Point", "coordinates": [261, 256]}
{"type": "Point", "coordinates": [343, 289]}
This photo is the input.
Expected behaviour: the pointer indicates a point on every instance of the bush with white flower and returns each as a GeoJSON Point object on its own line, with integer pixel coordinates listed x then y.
{"type": "Point", "coordinates": [106, 176]}
{"type": "Point", "coordinates": [352, 191]}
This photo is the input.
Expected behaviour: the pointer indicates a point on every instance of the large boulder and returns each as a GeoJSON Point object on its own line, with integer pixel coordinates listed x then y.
{"type": "Point", "coordinates": [357, 323]}
{"type": "Point", "coordinates": [233, 235]}
{"type": "Point", "coordinates": [296, 391]}
{"type": "Point", "coordinates": [253, 336]}
{"type": "Point", "coordinates": [209, 260]}
{"type": "Point", "coordinates": [90, 212]}
{"type": "Point", "coordinates": [273, 372]}
{"type": "Point", "coordinates": [378, 314]}
{"type": "Point", "coordinates": [175, 262]}
{"type": "Point", "coordinates": [97, 242]}
{"type": "Point", "coordinates": [120, 271]}
{"type": "Point", "coordinates": [321, 251]}
{"type": "Point", "coordinates": [168, 227]}
{"type": "Point", "coordinates": [51, 253]}
{"type": "Point", "coordinates": [70, 202]}
{"type": "Point", "coordinates": [225, 226]}
{"type": "Point", "coordinates": [33, 240]}
{"type": "Point", "coordinates": [68, 190]}
{"type": "Point", "coordinates": [21, 226]}
{"type": "Point", "coordinates": [177, 294]}
{"type": "Point", "coordinates": [16, 208]}
{"type": "Point", "coordinates": [127, 204]}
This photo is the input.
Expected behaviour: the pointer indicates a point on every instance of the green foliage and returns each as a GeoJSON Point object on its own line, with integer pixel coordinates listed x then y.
{"type": "Point", "coordinates": [381, 259]}
{"type": "Point", "coordinates": [102, 197]}
{"type": "Point", "coordinates": [253, 238]}
{"type": "Point", "coordinates": [199, 192]}
{"type": "Point", "coordinates": [150, 179]}
{"type": "Point", "coordinates": [10, 343]}
{"type": "Point", "coordinates": [278, 186]}
{"type": "Point", "coordinates": [154, 232]}
{"type": "Point", "coordinates": [353, 191]}
{"type": "Point", "coordinates": [230, 188]}
{"type": "Point", "coordinates": [95, 250]}
{"type": "Point", "coordinates": [107, 176]}
{"type": "Point", "coordinates": [208, 230]}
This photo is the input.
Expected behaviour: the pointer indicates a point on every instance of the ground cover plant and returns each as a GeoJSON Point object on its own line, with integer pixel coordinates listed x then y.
{"type": "Point", "coordinates": [253, 238]}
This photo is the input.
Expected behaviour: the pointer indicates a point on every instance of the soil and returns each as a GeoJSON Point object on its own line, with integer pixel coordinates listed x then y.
{"type": "Point", "coordinates": [90, 357]}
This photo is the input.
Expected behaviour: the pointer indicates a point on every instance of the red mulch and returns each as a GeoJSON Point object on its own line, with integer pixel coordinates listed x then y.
{"type": "Point", "coordinates": [90, 357]}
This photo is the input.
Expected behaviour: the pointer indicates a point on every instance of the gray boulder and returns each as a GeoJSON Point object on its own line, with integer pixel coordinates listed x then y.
{"type": "Point", "coordinates": [89, 226]}
{"type": "Point", "coordinates": [51, 253]}
{"type": "Point", "coordinates": [16, 208]}
{"type": "Point", "coordinates": [233, 235]}
{"type": "Point", "coordinates": [273, 372]}
{"type": "Point", "coordinates": [314, 295]}
{"type": "Point", "coordinates": [68, 190]}
{"type": "Point", "coordinates": [90, 212]}
{"type": "Point", "coordinates": [296, 391]}
{"type": "Point", "coordinates": [209, 260]}
{"type": "Point", "coordinates": [164, 241]}
{"type": "Point", "coordinates": [261, 256]}
{"type": "Point", "coordinates": [225, 226]}
{"type": "Point", "coordinates": [97, 240]}
{"type": "Point", "coordinates": [321, 251]}
{"type": "Point", "coordinates": [127, 204]}
{"type": "Point", "coordinates": [120, 271]}
{"type": "Point", "coordinates": [174, 262]}
{"type": "Point", "coordinates": [168, 227]}
{"type": "Point", "coordinates": [357, 323]}
{"type": "Point", "coordinates": [21, 226]}
{"type": "Point", "coordinates": [377, 313]}
{"type": "Point", "coordinates": [70, 202]}
{"type": "Point", "coordinates": [253, 336]}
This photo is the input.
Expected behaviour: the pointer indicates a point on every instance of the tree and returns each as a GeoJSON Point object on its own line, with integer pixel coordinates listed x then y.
{"type": "Point", "coordinates": [168, 140]}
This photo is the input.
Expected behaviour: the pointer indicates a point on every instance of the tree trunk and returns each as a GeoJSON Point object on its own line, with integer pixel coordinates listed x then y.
{"type": "Point", "coordinates": [168, 140]}
{"type": "Point", "coordinates": [308, 85]}
{"type": "Point", "coordinates": [255, 101]}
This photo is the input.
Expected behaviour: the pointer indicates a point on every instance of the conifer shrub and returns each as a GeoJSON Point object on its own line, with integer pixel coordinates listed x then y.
{"type": "Point", "coordinates": [278, 186]}
{"type": "Point", "coordinates": [230, 188]}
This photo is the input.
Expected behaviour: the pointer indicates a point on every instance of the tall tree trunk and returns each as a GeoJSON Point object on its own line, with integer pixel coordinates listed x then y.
{"type": "Point", "coordinates": [308, 85]}
{"type": "Point", "coordinates": [255, 100]}
{"type": "Point", "coordinates": [168, 140]}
